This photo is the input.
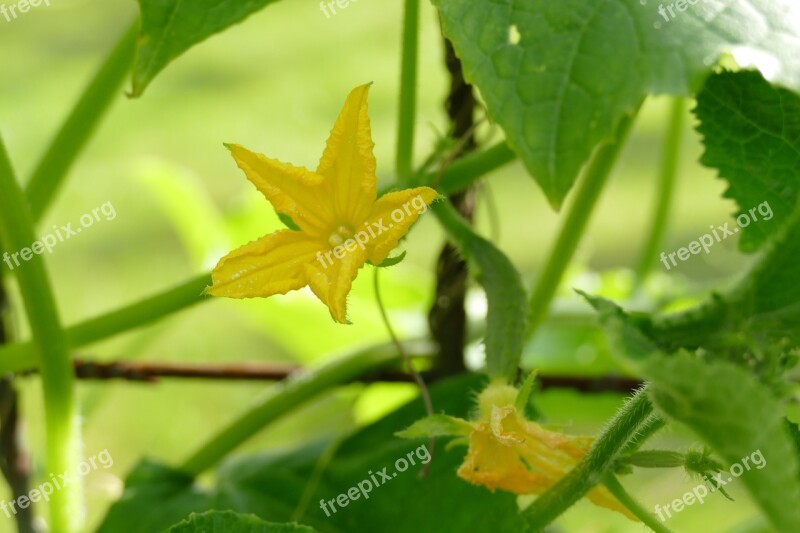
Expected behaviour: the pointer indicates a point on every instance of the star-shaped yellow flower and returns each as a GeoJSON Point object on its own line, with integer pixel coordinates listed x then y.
{"type": "Point", "coordinates": [342, 224]}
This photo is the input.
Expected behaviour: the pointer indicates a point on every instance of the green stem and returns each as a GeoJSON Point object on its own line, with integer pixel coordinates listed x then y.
{"type": "Point", "coordinates": [287, 396]}
{"type": "Point", "coordinates": [465, 170]}
{"type": "Point", "coordinates": [61, 421]}
{"type": "Point", "coordinates": [619, 492]}
{"type": "Point", "coordinates": [408, 90]}
{"type": "Point", "coordinates": [75, 132]}
{"type": "Point", "coordinates": [665, 192]}
{"type": "Point", "coordinates": [593, 468]}
{"type": "Point", "coordinates": [575, 224]}
{"type": "Point", "coordinates": [22, 356]}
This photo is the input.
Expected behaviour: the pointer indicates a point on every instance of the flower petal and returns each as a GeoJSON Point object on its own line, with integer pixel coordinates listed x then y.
{"type": "Point", "coordinates": [331, 279]}
{"type": "Point", "coordinates": [519, 456]}
{"type": "Point", "coordinates": [294, 191]}
{"type": "Point", "coordinates": [273, 264]}
{"type": "Point", "coordinates": [392, 216]}
{"type": "Point", "coordinates": [348, 163]}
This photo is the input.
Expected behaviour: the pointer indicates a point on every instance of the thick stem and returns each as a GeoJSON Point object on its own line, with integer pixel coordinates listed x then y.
{"type": "Point", "coordinates": [61, 424]}
{"type": "Point", "coordinates": [76, 130]}
{"type": "Point", "coordinates": [574, 225]}
{"type": "Point", "coordinates": [284, 398]}
{"type": "Point", "coordinates": [408, 90]}
{"type": "Point", "coordinates": [665, 192]}
{"type": "Point", "coordinates": [594, 467]}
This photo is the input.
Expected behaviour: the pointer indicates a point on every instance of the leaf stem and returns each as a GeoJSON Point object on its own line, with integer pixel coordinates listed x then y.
{"type": "Point", "coordinates": [597, 463]}
{"type": "Point", "coordinates": [665, 191]}
{"type": "Point", "coordinates": [615, 487]}
{"type": "Point", "coordinates": [408, 90]}
{"type": "Point", "coordinates": [60, 404]}
{"type": "Point", "coordinates": [574, 224]}
{"type": "Point", "coordinates": [286, 396]}
{"type": "Point", "coordinates": [76, 130]}
{"type": "Point", "coordinates": [464, 171]}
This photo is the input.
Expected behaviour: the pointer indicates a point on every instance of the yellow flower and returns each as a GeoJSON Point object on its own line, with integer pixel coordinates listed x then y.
{"type": "Point", "coordinates": [342, 225]}
{"type": "Point", "coordinates": [509, 452]}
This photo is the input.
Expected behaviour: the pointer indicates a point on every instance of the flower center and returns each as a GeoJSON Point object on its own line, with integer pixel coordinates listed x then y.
{"type": "Point", "coordinates": [341, 234]}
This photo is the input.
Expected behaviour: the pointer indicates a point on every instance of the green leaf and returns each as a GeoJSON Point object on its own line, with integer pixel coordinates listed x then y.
{"type": "Point", "coordinates": [737, 416]}
{"type": "Point", "coordinates": [287, 221]}
{"type": "Point", "coordinates": [272, 486]}
{"type": "Point", "coordinates": [751, 132]}
{"type": "Point", "coordinates": [170, 27]}
{"type": "Point", "coordinates": [559, 76]}
{"type": "Point", "coordinates": [230, 522]}
{"type": "Point", "coordinates": [760, 313]}
{"type": "Point", "coordinates": [436, 426]}
{"type": "Point", "coordinates": [392, 261]}
{"type": "Point", "coordinates": [507, 316]}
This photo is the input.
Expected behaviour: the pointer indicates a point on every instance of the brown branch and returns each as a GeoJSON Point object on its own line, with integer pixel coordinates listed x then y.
{"type": "Point", "coordinates": [14, 461]}
{"type": "Point", "coordinates": [447, 317]}
{"type": "Point", "coordinates": [150, 372]}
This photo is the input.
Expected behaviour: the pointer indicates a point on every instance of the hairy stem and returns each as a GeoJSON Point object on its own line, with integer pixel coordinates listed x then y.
{"type": "Point", "coordinates": [665, 192]}
{"type": "Point", "coordinates": [79, 126]}
{"type": "Point", "coordinates": [594, 467]}
{"type": "Point", "coordinates": [63, 438]}
{"type": "Point", "coordinates": [575, 222]}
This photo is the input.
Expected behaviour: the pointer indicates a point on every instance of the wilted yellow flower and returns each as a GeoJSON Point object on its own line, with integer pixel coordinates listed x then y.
{"type": "Point", "coordinates": [511, 453]}
{"type": "Point", "coordinates": [342, 225]}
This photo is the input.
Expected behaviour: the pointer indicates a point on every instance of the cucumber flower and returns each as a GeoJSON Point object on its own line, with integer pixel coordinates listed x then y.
{"type": "Point", "coordinates": [508, 452]}
{"type": "Point", "coordinates": [342, 224]}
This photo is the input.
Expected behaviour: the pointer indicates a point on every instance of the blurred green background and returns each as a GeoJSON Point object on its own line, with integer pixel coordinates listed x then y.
{"type": "Point", "coordinates": [275, 84]}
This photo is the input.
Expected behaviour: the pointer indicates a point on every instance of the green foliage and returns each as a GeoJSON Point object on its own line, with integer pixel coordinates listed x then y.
{"type": "Point", "coordinates": [751, 132]}
{"type": "Point", "coordinates": [170, 28]}
{"type": "Point", "coordinates": [436, 426]}
{"type": "Point", "coordinates": [559, 76]}
{"type": "Point", "coordinates": [230, 522]}
{"type": "Point", "coordinates": [564, 80]}
{"type": "Point", "coordinates": [271, 486]}
{"type": "Point", "coordinates": [737, 416]}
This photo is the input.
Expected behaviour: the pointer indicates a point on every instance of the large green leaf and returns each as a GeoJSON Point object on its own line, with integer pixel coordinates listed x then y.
{"type": "Point", "coordinates": [558, 76]}
{"type": "Point", "coordinates": [271, 486]}
{"type": "Point", "coordinates": [751, 132]}
{"type": "Point", "coordinates": [230, 522]}
{"type": "Point", "coordinates": [170, 27]}
{"type": "Point", "coordinates": [738, 417]}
